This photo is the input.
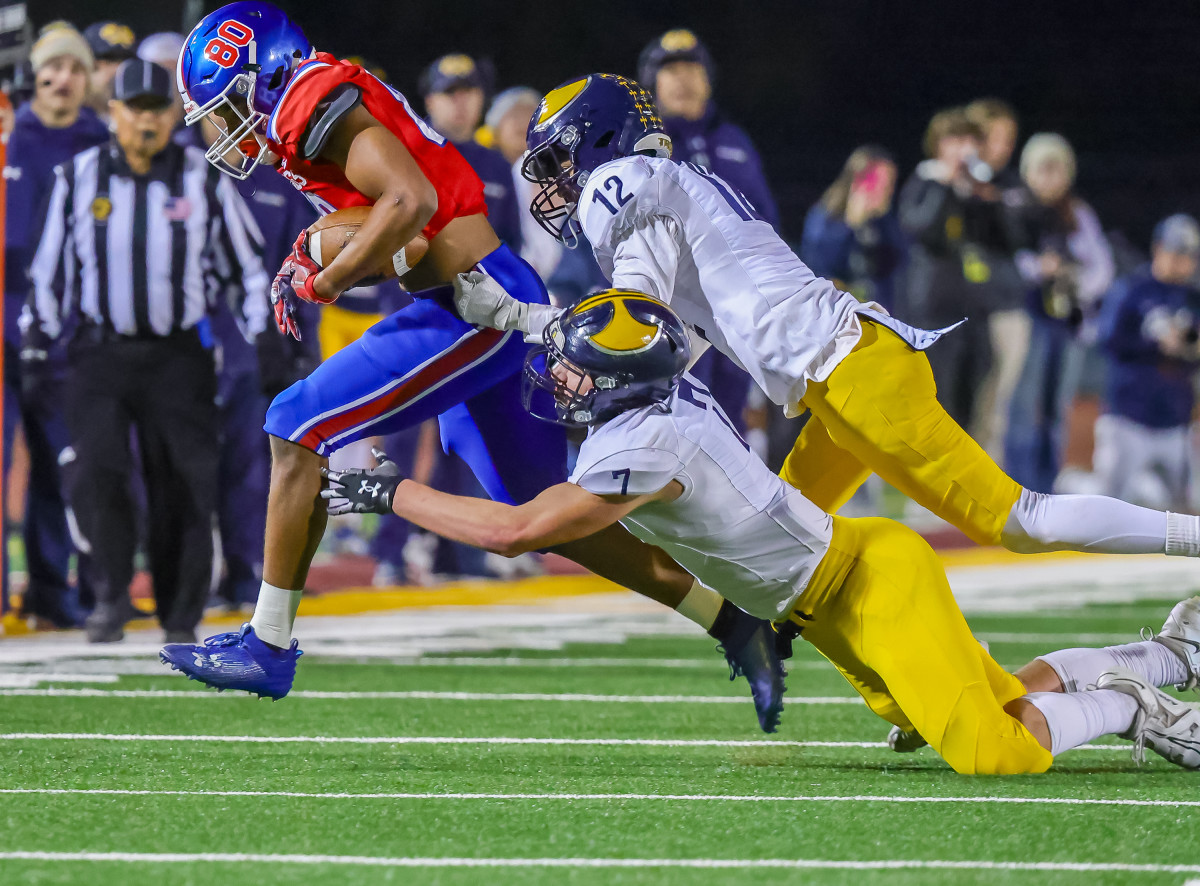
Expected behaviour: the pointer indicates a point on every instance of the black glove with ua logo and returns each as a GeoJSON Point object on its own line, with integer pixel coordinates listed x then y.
{"type": "Point", "coordinates": [360, 491]}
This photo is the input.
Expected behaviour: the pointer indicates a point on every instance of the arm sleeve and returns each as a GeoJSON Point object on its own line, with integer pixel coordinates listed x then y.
{"type": "Point", "coordinates": [1121, 326]}
{"type": "Point", "coordinates": [924, 205]}
{"type": "Point", "coordinates": [53, 268]}
{"type": "Point", "coordinates": [244, 242]}
{"type": "Point", "coordinates": [826, 244]}
{"type": "Point", "coordinates": [752, 181]}
{"type": "Point", "coordinates": [1090, 248]}
{"type": "Point", "coordinates": [646, 258]}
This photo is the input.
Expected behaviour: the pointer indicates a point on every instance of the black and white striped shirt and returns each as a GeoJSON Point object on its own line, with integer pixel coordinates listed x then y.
{"type": "Point", "coordinates": [143, 255]}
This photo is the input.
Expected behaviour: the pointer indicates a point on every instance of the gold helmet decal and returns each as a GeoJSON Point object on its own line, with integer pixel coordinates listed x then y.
{"type": "Point", "coordinates": [557, 99]}
{"type": "Point", "coordinates": [624, 334]}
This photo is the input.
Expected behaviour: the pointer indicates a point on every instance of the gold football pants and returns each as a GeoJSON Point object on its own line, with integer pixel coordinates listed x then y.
{"type": "Point", "coordinates": [878, 412]}
{"type": "Point", "coordinates": [880, 608]}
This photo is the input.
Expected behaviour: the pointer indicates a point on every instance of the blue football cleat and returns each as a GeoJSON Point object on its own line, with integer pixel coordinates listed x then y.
{"type": "Point", "coordinates": [749, 645]}
{"type": "Point", "coordinates": [236, 660]}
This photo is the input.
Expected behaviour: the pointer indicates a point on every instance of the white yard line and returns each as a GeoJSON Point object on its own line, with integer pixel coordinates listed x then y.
{"type": "Point", "coordinates": [418, 695]}
{"type": "Point", "coordinates": [445, 862]}
{"type": "Point", "coordinates": [683, 798]}
{"type": "Point", "coordinates": [17, 680]}
{"type": "Point", "coordinates": [461, 740]}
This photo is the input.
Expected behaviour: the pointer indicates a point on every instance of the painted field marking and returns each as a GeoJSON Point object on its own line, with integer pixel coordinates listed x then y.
{"type": "Point", "coordinates": [418, 862]}
{"type": "Point", "coordinates": [683, 798]}
{"type": "Point", "coordinates": [419, 695]}
{"type": "Point", "coordinates": [461, 740]}
{"type": "Point", "coordinates": [19, 680]}
{"type": "Point", "coordinates": [523, 662]}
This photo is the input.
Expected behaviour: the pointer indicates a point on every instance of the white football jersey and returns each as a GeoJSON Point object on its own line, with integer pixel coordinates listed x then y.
{"type": "Point", "coordinates": [737, 527]}
{"type": "Point", "coordinates": [682, 234]}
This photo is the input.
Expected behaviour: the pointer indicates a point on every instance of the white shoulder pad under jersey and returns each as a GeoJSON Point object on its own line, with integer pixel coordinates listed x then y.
{"type": "Point", "coordinates": [610, 206]}
{"type": "Point", "coordinates": [736, 526]}
{"type": "Point", "coordinates": [636, 453]}
{"type": "Point", "coordinates": [735, 281]}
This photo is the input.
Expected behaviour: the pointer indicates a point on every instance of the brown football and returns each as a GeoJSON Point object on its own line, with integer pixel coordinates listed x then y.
{"type": "Point", "coordinates": [330, 234]}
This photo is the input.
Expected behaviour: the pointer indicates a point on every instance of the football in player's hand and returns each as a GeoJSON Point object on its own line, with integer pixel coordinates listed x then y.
{"type": "Point", "coordinates": [330, 234]}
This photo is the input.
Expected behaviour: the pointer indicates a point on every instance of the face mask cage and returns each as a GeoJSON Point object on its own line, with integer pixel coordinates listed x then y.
{"type": "Point", "coordinates": [240, 138]}
{"type": "Point", "coordinates": [548, 399]}
{"type": "Point", "coordinates": [552, 165]}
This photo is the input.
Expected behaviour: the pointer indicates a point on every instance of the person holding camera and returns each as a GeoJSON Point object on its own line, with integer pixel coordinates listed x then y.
{"type": "Point", "coordinates": [961, 235]}
{"type": "Point", "coordinates": [1149, 329]}
{"type": "Point", "coordinates": [852, 235]}
{"type": "Point", "coordinates": [1068, 272]}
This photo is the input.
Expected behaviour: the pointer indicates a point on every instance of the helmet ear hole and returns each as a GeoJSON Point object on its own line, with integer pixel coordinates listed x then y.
{"type": "Point", "coordinates": [603, 141]}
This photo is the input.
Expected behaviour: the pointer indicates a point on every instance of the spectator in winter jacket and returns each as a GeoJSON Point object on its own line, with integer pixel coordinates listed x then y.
{"type": "Point", "coordinates": [1068, 271]}
{"type": "Point", "coordinates": [1149, 329]}
{"type": "Point", "coordinates": [852, 235]}
{"type": "Point", "coordinates": [678, 69]}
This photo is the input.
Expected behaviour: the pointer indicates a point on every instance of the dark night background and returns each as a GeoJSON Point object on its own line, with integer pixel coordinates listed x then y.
{"type": "Point", "coordinates": [812, 80]}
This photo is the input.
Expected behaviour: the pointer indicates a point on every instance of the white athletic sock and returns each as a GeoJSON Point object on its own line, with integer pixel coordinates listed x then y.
{"type": "Point", "coordinates": [1183, 535]}
{"type": "Point", "coordinates": [1076, 718]}
{"type": "Point", "coordinates": [275, 613]}
{"type": "Point", "coordinates": [701, 605]}
{"type": "Point", "coordinates": [1094, 523]}
{"type": "Point", "coordinates": [1080, 668]}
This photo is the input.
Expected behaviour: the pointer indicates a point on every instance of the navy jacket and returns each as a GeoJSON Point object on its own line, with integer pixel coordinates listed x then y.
{"type": "Point", "coordinates": [720, 146]}
{"type": "Point", "coordinates": [1143, 385]}
{"type": "Point", "coordinates": [866, 263]}
{"type": "Point", "coordinates": [34, 149]}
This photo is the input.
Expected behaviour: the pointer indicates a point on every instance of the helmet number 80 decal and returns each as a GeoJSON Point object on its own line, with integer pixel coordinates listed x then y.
{"type": "Point", "coordinates": [223, 49]}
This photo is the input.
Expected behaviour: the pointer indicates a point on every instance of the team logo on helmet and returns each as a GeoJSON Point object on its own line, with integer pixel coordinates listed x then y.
{"type": "Point", "coordinates": [624, 333]}
{"type": "Point", "coordinates": [557, 100]}
{"type": "Point", "coordinates": [612, 352]}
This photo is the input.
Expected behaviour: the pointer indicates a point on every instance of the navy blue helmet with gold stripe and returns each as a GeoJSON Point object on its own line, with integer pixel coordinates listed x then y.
{"type": "Point", "coordinates": [613, 351]}
{"type": "Point", "coordinates": [578, 126]}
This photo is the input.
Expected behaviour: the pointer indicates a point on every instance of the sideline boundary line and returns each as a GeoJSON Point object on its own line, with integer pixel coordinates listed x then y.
{"type": "Point", "coordinates": [421, 695]}
{"type": "Point", "coordinates": [446, 862]}
{"type": "Point", "coordinates": [683, 798]}
{"type": "Point", "coordinates": [461, 740]}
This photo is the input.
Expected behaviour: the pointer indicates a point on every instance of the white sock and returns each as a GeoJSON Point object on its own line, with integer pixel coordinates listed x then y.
{"type": "Point", "coordinates": [1097, 524]}
{"type": "Point", "coordinates": [701, 605]}
{"type": "Point", "coordinates": [1080, 668]}
{"type": "Point", "coordinates": [1076, 718]}
{"type": "Point", "coordinates": [1183, 535]}
{"type": "Point", "coordinates": [275, 613]}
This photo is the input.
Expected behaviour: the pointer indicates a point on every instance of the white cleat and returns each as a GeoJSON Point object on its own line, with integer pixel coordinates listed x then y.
{"type": "Point", "coordinates": [1181, 634]}
{"type": "Point", "coordinates": [904, 742]}
{"type": "Point", "coordinates": [1164, 724]}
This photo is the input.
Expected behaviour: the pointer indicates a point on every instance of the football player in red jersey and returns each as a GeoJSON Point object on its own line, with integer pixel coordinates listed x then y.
{"type": "Point", "coordinates": [344, 138]}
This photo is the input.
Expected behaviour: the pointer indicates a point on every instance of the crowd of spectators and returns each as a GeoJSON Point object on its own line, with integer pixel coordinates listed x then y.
{"type": "Point", "coordinates": [1075, 368]}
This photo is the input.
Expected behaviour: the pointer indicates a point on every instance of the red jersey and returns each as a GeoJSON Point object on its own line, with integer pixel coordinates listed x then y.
{"type": "Point", "coordinates": [459, 189]}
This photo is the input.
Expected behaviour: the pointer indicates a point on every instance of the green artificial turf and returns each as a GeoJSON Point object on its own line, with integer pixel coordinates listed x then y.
{"type": "Point", "coordinates": [872, 826]}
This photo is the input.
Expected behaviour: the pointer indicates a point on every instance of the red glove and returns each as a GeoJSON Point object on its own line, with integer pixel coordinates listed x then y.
{"type": "Point", "coordinates": [299, 273]}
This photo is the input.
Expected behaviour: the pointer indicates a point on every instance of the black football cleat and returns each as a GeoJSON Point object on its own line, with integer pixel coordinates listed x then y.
{"type": "Point", "coordinates": [750, 648]}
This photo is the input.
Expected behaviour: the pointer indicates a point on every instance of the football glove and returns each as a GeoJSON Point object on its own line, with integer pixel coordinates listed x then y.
{"type": "Point", "coordinates": [361, 491]}
{"type": "Point", "coordinates": [481, 301]}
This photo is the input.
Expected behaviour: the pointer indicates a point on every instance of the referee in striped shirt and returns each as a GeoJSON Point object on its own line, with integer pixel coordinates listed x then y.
{"type": "Point", "coordinates": [139, 237]}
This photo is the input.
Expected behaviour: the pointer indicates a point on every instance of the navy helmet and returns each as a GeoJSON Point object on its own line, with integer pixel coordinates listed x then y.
{"type": "Point", "coordinates": [611, 352]}
{"type": "Point", "coordinates": [235, 66]}
{"type": "Point", "coordinates": [577, 127]}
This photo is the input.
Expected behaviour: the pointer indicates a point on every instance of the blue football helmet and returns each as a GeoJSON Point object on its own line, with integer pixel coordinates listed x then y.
{"type": "Point", "coordinates": [611, 352]}
{"type": "Point", "coordinates": [235, 66]}
{"type": "Point", "coordinates": [576, 128]}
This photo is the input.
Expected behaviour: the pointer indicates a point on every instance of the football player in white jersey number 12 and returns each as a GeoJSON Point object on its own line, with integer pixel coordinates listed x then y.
{"type": "Point", "coordinates": [661, 458]}
{"type": "Point", "coordinates": [680, 233]}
